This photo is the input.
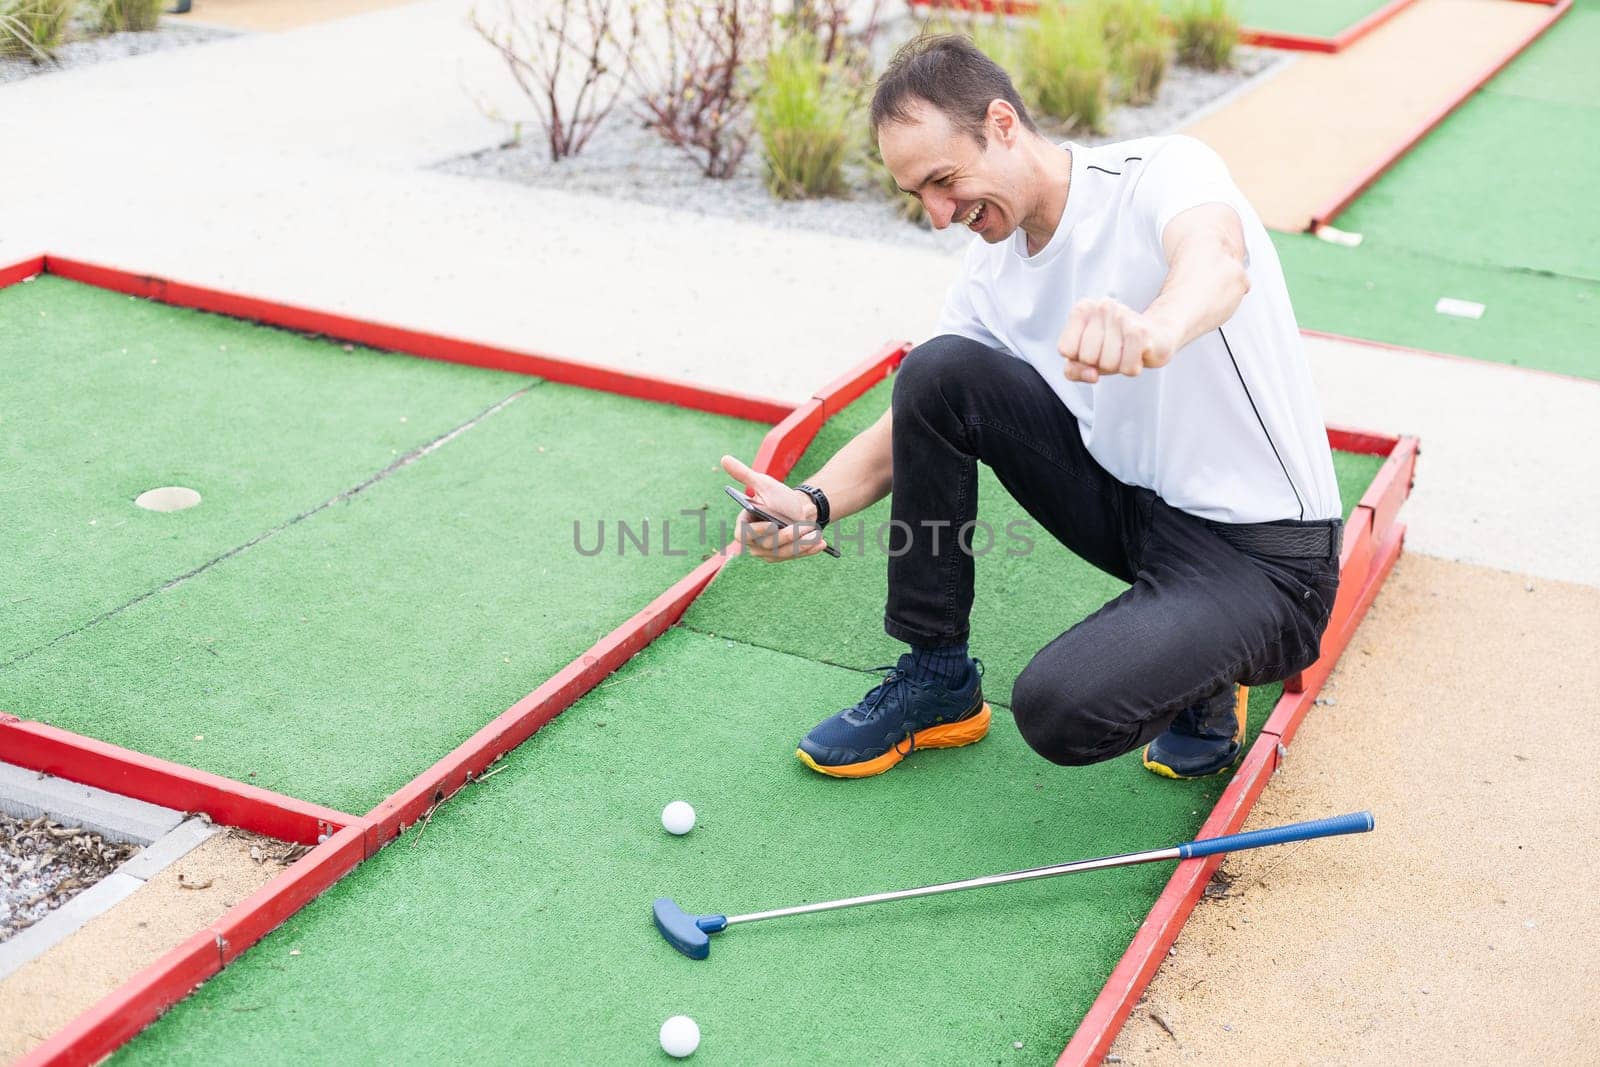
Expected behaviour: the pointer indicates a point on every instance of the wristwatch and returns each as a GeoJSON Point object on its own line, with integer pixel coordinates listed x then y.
{"type": "Point", "coordinates": [820, 499]}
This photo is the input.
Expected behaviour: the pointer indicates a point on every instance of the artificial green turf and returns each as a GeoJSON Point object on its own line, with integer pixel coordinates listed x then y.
{"type": "Point", "coordinates": [516, 928]}
{"type": "Point", "coordinates": [517, 925]}
{"type": "Point", "coordinates": [1308, 18]}
{"type": "Point", "coordinates": [1496, 206]}
{"type": "Point", "coordinates": [107, 396]}
{"type": "Point", "coordinates": [1480, 191]}
{"type": "Point", "coordinates": [1381, 292]}
{"type": "Point", "coordinates": [832, 609]}
{"type": "Point", "coordinates": [341, 657]}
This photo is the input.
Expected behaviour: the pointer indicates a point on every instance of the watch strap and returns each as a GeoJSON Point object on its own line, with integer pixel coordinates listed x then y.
{"type": "Point", "coordinates": [820, 499]}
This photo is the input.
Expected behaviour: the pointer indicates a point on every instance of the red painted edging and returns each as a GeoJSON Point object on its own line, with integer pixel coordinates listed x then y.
{"type": "Point", "coordinates": [782, 448]}
{"type": "Point", "coordinates": [83, 759]}
{"type": "Point", "coordinates": [1355, 562]}
{"type": "Point", "coordinates": [21, 271]}
{"type": "Point", "coordinates": [854, 383]}
{"type": "Point", "coordinates": [1342, 200]}
{"type": "Point", "coordinates": [419, 343]}
{"type": "Point", "coordinates": [128, 1009]}
{"type": "Point", "coordinates": [132, 1006]}
{"type": "Point", "coordinates": [1161, 927]}
{"type": "Point", "coordinates": [1369, 564]}
{"type": "Point", "coordinates": [1342, 439]}
{"type": "Point", "coordinates": [1297, 42]}
{"type": "Point", "coordinates": [1381, 557]}
{"type": "Point", "coordinates": [287, 892]}
{"type": "Point", "coordinates": [524, 718]}
{"type": "Point", "coordinates": [1351, 34]}
{"type": "Point", "coordinates": [1391, 485]}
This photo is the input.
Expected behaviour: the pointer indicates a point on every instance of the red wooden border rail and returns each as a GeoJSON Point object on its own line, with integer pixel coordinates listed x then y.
{"type": "Point", "coordinates": [1296, 42]}
{"type": "Point", "coordinates": [122, 1014]}
{"type": "Point", "coordinates": [76, 758]}
{"type": "Point", "coordinates": [779, 450]}
{"type": "Point", "coordinates": [1368, 555]}
{"type": "Point", "coordinates": [420, 343]}
{"type": "Point", "coordinates": [1331, 210]}
{"type": "Point", "coordinates": [345, 840]}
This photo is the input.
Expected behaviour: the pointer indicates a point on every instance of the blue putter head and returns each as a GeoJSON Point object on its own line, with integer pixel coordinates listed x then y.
{"type": "Point", "coordinates": [689, 934]}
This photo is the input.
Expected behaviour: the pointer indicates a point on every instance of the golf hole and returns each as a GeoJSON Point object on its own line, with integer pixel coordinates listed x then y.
{"type": "Point", "coordinates": [167, 498]}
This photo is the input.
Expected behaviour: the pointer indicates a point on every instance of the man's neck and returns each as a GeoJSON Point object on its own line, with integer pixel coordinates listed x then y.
{"type": "Point", "coordinates": [1055, 186]}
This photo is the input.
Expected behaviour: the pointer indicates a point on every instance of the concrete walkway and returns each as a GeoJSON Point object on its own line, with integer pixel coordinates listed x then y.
{"type": "Point", "coordinates": [217, 165]}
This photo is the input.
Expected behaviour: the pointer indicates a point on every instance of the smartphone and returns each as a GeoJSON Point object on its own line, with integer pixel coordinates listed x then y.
{"type": "Point", "coordinates": [746, 504]}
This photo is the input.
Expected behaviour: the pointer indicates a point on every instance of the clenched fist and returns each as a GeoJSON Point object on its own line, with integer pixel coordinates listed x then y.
{"type": "Point", "coordinates": [1105, 337]}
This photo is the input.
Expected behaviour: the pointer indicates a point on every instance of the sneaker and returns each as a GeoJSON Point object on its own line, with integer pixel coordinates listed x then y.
{"type": "Point", "coordinates": [1206, 738]}
{"type": "Point", "coordinates": [895, 718]}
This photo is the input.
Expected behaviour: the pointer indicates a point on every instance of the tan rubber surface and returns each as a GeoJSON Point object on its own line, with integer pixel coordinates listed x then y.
{"type": "Point", "coordinates": [1301, 137]}
{"type": "Point", "coordinates": [45, 994]}
{"type": "Point", "coordinates": [278, 14]}
{"type": "Point", "coordinates": [1464, 928]}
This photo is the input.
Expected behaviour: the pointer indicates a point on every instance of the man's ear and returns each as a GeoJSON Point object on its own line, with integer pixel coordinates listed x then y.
{"type": "Point", "coordinates": [1004, 121]}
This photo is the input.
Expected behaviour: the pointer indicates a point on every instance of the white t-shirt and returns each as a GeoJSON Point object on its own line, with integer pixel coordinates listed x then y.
{"type": "Point", "coordinates": [1230, 429]}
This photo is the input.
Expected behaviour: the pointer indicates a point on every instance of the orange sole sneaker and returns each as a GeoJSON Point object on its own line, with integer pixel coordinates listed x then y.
{"type": "Point", "coordinates": [946, 735]}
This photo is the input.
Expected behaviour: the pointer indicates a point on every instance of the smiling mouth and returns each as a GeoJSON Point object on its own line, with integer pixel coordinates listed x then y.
{"type": "Point", "coordinates": [975, 216]}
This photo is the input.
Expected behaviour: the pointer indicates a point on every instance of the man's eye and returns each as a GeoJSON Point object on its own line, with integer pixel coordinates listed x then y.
{"type": "Point", "coordinates": [946, 180]}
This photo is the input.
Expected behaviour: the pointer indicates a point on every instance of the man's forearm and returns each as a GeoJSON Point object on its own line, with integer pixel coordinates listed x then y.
{"type": "Point", "coordinates": [861, 473]}
{"type": "Point", "coordinates": [1206, 280]}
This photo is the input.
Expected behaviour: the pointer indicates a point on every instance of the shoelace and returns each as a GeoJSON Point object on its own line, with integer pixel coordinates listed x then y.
{"type": "Point", "coordinates": [869, 703]}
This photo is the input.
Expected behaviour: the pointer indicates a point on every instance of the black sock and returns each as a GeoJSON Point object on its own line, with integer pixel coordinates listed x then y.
{"type": "Point", "coordinates": [946, 664]}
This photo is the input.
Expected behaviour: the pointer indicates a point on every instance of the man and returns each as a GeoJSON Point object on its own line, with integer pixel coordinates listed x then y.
{"type": "Point", "coordinates": [1120, 350]}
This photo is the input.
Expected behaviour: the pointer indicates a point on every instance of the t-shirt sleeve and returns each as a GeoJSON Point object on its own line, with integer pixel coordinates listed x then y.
{"type": "Point", "coordinates": [959, 316]}
{"type": "Point", "coordinates": [1184, 173]}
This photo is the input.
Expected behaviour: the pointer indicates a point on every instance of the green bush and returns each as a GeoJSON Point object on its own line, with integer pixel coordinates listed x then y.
{"type": "Point", "coordinates": [1137, 43]}
{"type": "Point", "coordinates": [1065, 66]}
{"type": "Point", "coordinates": [804, 114]}
{"type": "Point", "coordinates": [1207, 31]}
{"type": "Point", "coordinates": [33, 27]}
{"type": "Point", "coordinates": [118, 15]}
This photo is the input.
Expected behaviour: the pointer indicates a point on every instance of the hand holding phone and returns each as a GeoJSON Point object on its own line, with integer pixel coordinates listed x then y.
{"type": "Point", "coordinates": [764, 515]}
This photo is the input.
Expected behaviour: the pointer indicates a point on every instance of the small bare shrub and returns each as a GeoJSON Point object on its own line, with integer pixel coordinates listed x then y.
{"type": "Point", "coordinates": [570, 58]}
{"type": "Point", "coordinates": [696, 88]}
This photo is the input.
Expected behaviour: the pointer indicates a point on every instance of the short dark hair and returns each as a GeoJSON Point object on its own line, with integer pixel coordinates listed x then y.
{"type": "Point", "coordinates": [949, 72]}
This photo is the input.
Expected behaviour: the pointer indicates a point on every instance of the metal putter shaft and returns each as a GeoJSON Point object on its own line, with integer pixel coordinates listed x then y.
{"type": "Point", "coordinates": [691, 934]}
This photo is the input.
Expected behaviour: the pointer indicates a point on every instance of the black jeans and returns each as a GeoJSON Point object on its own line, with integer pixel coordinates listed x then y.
{"type": "Point", "coordinates": [1201, 614]}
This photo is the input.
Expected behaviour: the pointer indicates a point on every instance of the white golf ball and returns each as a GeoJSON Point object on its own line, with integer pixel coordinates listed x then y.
{"type": "Point", "coordinates": [679, 1034]}
{"type": "Point", "coordinates": [678, 818]}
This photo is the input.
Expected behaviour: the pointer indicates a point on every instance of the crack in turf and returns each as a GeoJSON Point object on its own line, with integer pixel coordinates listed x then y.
{"type": "Point", "coordinates": [404, 461]}
{"type": "Point", "coordinates": [785, 652]}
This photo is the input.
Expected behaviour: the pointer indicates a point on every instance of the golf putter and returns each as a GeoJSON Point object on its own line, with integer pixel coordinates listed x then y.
{"type": "Point", "coordinates": [691, 934]}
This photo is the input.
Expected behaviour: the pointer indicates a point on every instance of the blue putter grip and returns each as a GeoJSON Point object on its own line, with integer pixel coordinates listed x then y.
{"type": "Point", "coordinates": [1357, 822]}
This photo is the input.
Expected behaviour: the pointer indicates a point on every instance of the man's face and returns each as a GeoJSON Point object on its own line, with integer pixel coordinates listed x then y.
{"type": "Point", "coordinates": [958, 182]}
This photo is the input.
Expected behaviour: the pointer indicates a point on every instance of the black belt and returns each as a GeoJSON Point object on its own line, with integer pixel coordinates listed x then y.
{"type": "Point", "coordinates": [1296, 540]}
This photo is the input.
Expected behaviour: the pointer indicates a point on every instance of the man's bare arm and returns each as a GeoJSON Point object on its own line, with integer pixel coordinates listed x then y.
{"type": "Point", "coordinates": [1206, 280]}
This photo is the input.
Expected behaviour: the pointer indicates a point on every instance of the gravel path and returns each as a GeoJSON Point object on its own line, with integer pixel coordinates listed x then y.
{"type": "Point", "coordinates": [625, 160]}
{"type": "Point", "coordinates": [86, 50]}
{"type": "Point", "coordinates": [44, 864]}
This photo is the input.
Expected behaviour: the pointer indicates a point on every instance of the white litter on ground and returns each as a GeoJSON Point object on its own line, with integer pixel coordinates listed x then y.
{"type": "Point", "coordinates": [1335, 236]}
{"type": "Point", "coordinates": [1461, 309]}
